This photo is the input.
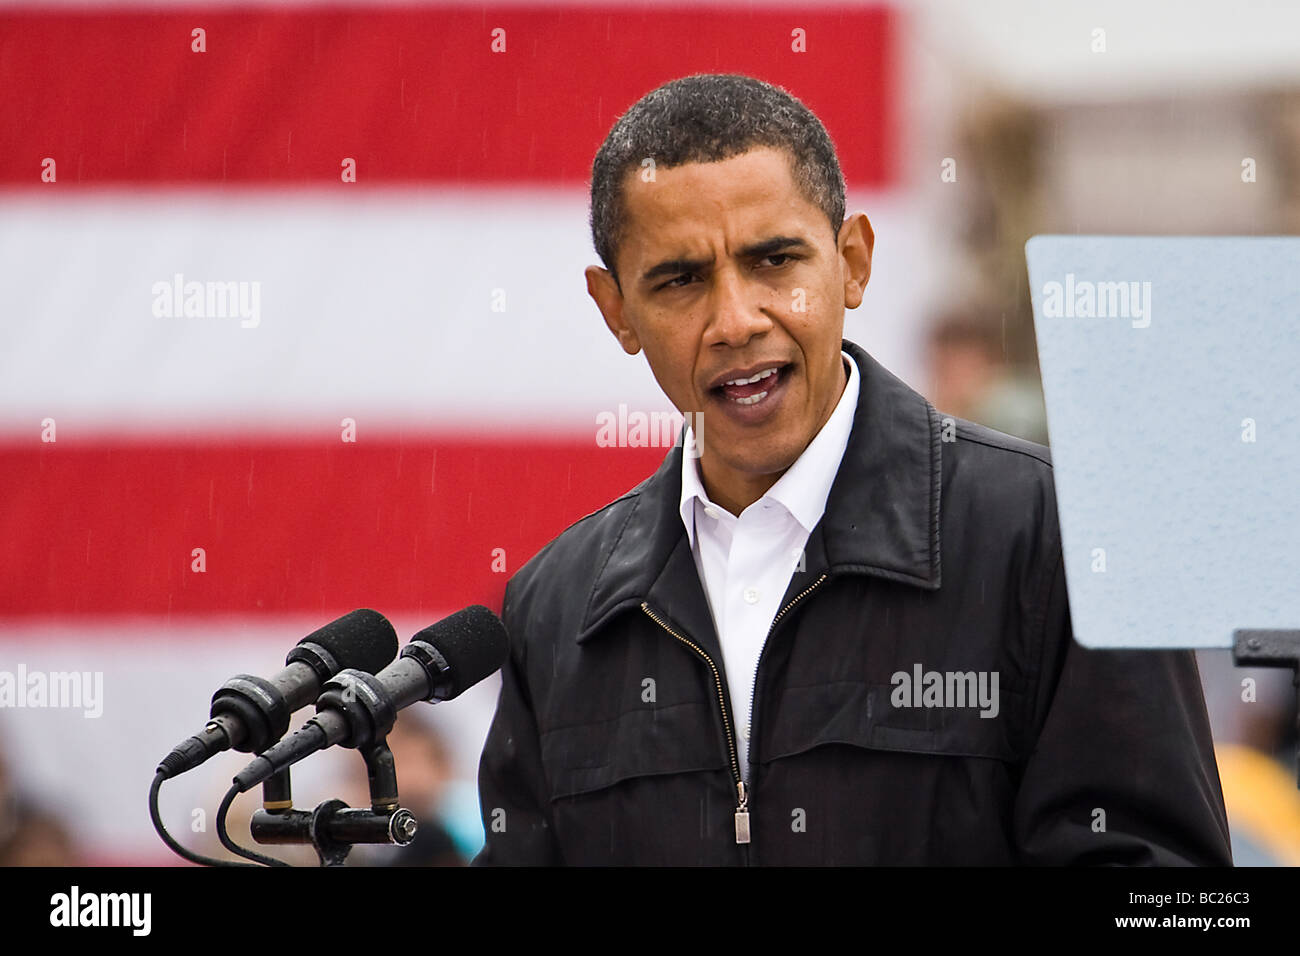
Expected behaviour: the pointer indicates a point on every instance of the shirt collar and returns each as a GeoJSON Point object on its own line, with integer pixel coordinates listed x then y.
{"type": "Point", "coordinates": [804, 487]}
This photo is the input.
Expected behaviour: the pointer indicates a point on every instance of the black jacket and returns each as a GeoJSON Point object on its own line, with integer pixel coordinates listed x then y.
{"type": "Point", "coordinates": [613, 741]}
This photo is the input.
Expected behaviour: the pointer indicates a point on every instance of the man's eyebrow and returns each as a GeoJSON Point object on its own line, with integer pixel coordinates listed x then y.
{"type": "Point", "coordinates": [767, 247]}
{"type": "Point", "coordinates": [756, 250]}
{"type": "Point", "coordinates": [672, 267]}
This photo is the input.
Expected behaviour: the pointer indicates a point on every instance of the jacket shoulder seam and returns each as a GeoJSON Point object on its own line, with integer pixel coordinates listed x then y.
{"type": "Point", "coordinates": [633, 493]}
{"type": "Point", "coordinates": [1003, 446]}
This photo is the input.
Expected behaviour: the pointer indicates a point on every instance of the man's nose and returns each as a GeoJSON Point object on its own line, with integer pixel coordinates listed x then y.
{"type": "Point", "coordinates": [735, 315]}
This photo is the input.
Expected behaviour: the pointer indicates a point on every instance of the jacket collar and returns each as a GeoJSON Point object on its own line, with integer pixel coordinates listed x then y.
{"type": "Point", "coordinates": [881, 518]}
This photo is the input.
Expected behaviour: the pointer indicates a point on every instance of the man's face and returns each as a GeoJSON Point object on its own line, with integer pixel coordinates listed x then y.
{"type": "Point", "coordinates": [729, 274]}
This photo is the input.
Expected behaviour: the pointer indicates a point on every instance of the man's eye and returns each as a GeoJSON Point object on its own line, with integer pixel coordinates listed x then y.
{"type": "Point", "coordinates": [672, 283]}
{"type": "Point", "coordinates": [783, 256]}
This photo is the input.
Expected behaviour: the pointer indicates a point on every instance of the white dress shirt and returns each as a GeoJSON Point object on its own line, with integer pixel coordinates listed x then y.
{"type": "Point", "coordinates": [745, 563]}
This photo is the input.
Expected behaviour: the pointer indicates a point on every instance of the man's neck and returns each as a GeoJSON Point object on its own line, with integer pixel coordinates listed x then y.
{"type": "Point", "coordinates": [740, 490]}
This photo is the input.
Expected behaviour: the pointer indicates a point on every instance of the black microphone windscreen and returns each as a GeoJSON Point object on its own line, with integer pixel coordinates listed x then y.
{"type": "Point", "coordinates": [474, 643]}
{"type": "Point", "coordinates": [363, 640]}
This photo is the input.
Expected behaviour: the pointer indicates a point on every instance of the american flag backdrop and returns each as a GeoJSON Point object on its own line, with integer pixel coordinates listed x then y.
{"type": "Point", "coordinates": [293, 322]}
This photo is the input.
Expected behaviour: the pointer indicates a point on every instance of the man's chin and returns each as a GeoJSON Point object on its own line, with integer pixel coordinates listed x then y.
{"type": "Point", "coordinates": [758, 464]}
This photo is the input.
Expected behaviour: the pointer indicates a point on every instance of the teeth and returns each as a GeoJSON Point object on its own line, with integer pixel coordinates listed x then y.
{"type": "Point", "coordinates": [752, 379]}
{"type": "Point", "coordinates": [751, 400]}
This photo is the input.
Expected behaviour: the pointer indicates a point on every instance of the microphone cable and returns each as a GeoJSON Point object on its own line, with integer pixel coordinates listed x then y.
{"type": "Point", "coordinates": [175, 847]}
{"type": "Point", "coordinates": [230, 844]}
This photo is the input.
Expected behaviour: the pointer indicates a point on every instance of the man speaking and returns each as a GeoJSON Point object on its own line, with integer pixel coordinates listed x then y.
{"type": "Point", "coordinates": [832, 628]}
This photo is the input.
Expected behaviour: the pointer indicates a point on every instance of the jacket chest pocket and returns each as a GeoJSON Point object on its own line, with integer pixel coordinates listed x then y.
{"type": "Point", "coordinates": [882, 717]}
{"type": "Point", "coordinates": [649, 741]}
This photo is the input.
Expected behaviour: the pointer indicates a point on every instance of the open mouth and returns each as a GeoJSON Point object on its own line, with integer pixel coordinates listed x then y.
{"type": "Point", "coordinates": [750, 391]}
{"type": "Point", "coordinates": [748, 394]}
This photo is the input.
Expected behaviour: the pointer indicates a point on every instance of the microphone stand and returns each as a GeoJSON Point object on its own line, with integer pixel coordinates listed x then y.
{"type": "Point", "coordinates": [1271, 648]}
{"type": "Point", "coordinates": [333, 827]}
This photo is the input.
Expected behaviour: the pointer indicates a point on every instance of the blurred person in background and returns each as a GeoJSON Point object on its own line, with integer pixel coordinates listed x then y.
{"type": "Point", "coordinates": [970, 378]}
{"type": "Point", "coordinates": [38, 839]}
{"type": "Point", "coordinates": [29, 834]}
{"type": "Point", "coordinates": [449, 830]}
{"type": "Point", "coordinates": [424, 775]}
{"type": "Point", "coordinates": [1252, 711]}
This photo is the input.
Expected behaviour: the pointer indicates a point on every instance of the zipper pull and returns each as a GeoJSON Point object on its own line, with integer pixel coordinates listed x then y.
{"type": "Point", "coordinates": [742, 814]}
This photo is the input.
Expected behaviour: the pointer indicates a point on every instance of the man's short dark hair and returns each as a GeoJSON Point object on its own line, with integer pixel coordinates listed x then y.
{"type": "Point", "coordinates": [706, 118]}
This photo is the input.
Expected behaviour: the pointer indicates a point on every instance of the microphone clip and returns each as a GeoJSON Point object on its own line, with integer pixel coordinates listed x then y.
{"type": "Point", "coordinates": [333, 827]}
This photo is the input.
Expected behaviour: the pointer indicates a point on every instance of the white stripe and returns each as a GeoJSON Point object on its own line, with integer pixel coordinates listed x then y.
{"type": "Point", "coordinates": [375, 305]}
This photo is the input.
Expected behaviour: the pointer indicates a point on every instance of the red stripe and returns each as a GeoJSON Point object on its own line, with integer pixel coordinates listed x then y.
{"type": "Point", "coordinates": [413, 95]}
{"type": "Point", "coordinates": [289, 526]}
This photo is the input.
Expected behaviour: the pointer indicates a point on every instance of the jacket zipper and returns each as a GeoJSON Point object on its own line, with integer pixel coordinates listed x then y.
{"type": "Point", "coordinates": [742, 806]}
{"type": "Point", "coordinates": [753, 695]}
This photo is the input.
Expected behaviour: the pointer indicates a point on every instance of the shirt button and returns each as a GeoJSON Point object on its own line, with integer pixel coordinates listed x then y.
{"type": "Point", "coordinates": [711, 511]}
{"type": "Point", "coordinates": [744, 731]}
{"type": "Point", "coordinates": [751, 595]}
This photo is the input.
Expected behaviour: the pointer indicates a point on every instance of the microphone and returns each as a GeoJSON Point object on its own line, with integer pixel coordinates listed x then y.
{"type": "Point", "coordinates": [250, 713]}
{"type": "Point", "coordinates": [359, 709]}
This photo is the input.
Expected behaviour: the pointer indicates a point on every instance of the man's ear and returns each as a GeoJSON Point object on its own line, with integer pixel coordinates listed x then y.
{"type": "Point", "coordinates": [857, 240]}
{"type": "Point", "coordinates": [609, 299]}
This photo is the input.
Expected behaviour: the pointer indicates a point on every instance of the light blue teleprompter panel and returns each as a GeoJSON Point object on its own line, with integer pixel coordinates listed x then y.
{"type": "Point", "coordinates": [1171, 371]}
